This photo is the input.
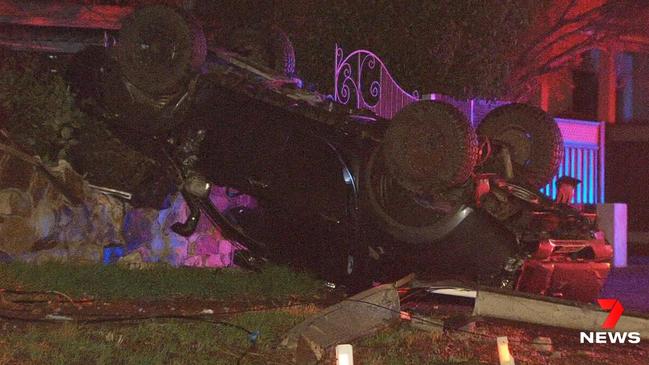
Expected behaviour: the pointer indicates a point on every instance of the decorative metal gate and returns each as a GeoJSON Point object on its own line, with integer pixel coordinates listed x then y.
{"type": "Point", "coordinates": [361, 71]}
{"type": "Point", "coordinates": [362, 78]}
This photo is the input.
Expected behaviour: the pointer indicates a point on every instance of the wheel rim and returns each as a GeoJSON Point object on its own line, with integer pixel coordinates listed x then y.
{"type": "Point", "coordinates": [157, 48]}
{"type": "Point", "coordinates": [519, 143]}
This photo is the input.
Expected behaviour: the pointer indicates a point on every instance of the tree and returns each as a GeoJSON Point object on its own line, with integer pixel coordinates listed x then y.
{"type": "Point", "coordinates": [454, 47]}
{"type": "Point", "coordinates": [565, 29]}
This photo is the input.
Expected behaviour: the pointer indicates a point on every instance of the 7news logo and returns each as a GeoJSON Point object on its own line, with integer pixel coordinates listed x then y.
{"type": "Point", "coordinates": [615, 312]}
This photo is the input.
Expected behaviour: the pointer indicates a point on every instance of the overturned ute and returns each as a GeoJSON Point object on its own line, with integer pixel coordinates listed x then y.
{"type": "Point", "coordinates": [350, 195]}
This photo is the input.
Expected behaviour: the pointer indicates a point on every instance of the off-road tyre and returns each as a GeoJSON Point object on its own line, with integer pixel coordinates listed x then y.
{"type": "Point", "coordinates": [405, 215]}
{"type": "Point", "coordinates": [430, 146]}
{"type": "Point", "coordinates": [534, 141]}
{"type": "Point", "coordinates": [126, 107]}
{"type": "Point", "coordinates": [159, 47]}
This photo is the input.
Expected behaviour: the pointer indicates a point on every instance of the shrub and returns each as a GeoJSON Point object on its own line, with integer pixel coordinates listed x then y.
{"type": "Point", "coordinates": [40, 111]}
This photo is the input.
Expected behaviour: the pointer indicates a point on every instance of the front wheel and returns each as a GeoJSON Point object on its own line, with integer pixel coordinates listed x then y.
{"type": "Point", "coordinates": [159, 48]}
{"type": "Point", "coordinates": [532, 138]}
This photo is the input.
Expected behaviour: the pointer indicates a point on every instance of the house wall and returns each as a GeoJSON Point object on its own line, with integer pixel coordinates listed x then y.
{"type": "Point", "coordinates": [560, 97]}
{"type": "Point", "coordinates": [640, 87]}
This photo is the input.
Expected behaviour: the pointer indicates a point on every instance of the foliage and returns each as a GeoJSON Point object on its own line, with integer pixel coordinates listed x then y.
{"type": "Point", "coordinates": [39, 108]}
{"type": "Point", "coordinates": [563, 30]}
{"type": "Point", "coordinates": [455, 47]}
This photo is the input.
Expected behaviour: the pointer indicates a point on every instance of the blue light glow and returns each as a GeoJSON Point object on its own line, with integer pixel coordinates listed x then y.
{"type": "Point", "coordinates": [581, 163]}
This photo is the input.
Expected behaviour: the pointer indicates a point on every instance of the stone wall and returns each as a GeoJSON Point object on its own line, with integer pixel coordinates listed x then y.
{"type": "Point", "coordinates": [37, 220]}
{"type": "Point", "coordinates": [39, 223]}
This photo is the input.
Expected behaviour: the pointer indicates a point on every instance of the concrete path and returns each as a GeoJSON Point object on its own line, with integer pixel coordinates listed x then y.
{"type": "Point", "coordinates": [629, 285]}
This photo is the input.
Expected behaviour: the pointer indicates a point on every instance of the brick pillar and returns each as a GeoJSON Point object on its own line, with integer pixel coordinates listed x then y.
{"type": "Point", "coordinates": [612, 220]}
{"type": "Point", "coordinates": [606, 103]}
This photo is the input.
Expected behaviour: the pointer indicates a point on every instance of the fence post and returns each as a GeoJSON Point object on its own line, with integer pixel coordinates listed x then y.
{"type": "Point", "coordinates": [612, 219]}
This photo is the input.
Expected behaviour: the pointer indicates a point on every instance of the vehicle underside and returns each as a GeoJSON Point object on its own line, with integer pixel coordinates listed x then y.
{"type": "Point", "coordinates": [350, 195]}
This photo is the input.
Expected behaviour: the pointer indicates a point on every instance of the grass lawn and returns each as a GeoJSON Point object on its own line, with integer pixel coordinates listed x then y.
{"type": "Point", "coordinates": [159, 282]}
{"type": "Point", "coordinates": [148, 342]}
{"type": "Point", "coordinates": [178, 342]}
{"type": "Point", "coordinates": [183, 341]}
{"type": "Point", "coordinates": [155, 341]}
{"type": "Point", "coordinates": [174, 341]}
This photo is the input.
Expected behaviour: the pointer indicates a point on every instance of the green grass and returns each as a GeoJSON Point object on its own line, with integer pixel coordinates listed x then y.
{"type": "Point", "coordinates": [406, 346]}
{"type": "Point", "coordinates": [148, 342]}
{"type": "Point", "coordinates": [173, 341]}
{"type": "Point", "coordinates": [159, 282]}
{"type": "Point", "coordinates": [182, 342]}
{"type": "Point", "coordinates": [154, 341]}
{"type": "Point", "coordinates": [177, 341]}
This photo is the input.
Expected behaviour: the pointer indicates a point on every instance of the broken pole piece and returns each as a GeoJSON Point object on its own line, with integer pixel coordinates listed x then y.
{"type": "Point", "coordinates": [612, 219]}
{"type": "Point", "coordinates": [524, 307]}
{"type": "Point", "coordinates": [504, 355]}
{"type": "Point", "coordinates": [543, 344]}
{"type": "Point", "coordinates": [454, 292]}
{"type": "Point", "coordinates": [355, 317]}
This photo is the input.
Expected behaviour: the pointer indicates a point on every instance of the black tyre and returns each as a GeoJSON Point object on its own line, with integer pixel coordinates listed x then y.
{"type": "Point", "coordinates": [158, 48]}
{"type": "Point", "coordinates": [430, 146]}
{"type": "Point", "coordinates": [408, 216]}
{"type": "Point", "coordinates": [533, 139]}
{"type": "Point", "coordinates": [128, 107]}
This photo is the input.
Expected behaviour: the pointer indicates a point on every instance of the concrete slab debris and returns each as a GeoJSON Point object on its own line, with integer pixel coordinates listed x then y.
{"type": "Point", "coordinates": [537, 309]}
{"type": "Point", "coordinates": [454, 292]}
{"type": "Point", "coordinates": [543, 344]}
{"type": "Point", "coordinates": [354, 317]}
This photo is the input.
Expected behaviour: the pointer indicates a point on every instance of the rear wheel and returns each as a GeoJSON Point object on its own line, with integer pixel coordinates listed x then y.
{"type": "Point", "coordinates": [532, 138]}
{"type": "Point", "coordinates": [409, 216]}
{"type": "Point", "coordinates": [159, 48]}
{"type": "Point", "coordinates": [128, 107]}
{"type": "Point", "coordinates": [430, 146]}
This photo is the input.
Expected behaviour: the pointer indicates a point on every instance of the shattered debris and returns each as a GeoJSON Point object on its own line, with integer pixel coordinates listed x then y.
{"type": "Point", "coordinates": [355, 317]}
{"type": "Point", "coordinates": [543, 344]}
{"type": "Point", "coordinates": [529, 308]}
